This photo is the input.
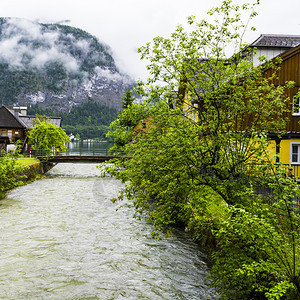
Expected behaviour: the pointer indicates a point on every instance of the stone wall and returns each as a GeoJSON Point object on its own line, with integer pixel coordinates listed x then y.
{"type": "Point", "coordinates": [37, 168]}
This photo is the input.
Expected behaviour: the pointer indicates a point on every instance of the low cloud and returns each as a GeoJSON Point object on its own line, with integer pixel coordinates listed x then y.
{"type": "Point", "coordinates": [25, 44]}
{"type": "Point", "coordinates": [28, 45]}
{"type": "Point", "coordinates": [106, 73]}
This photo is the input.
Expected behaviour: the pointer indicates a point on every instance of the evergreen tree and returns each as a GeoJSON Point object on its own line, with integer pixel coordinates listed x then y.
{"type": "Point", "coordinates": [128, 99]}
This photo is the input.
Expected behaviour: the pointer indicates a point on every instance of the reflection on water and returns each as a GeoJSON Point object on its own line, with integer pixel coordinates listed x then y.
{"type": "Point", "coordinates": [88, 147]}
{"type": "Point", "coordinates": [62, 238]}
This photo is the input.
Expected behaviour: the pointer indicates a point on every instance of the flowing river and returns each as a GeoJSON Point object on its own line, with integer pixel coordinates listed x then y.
{"type": "Point", "coordinates": [62, 238]}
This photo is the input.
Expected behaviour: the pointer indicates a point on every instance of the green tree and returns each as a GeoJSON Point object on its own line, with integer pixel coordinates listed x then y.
{"type": "Point", "coordinates": [9, 172]}
{"type": "Point", "coordinates": [212, 151]}
{"type": "Point", "coordinates": [123, 128]}
{"type": "Point", "coordinates": [47, 136]}
{"type": "Point", "coordinates": [40, 118]}
{"type": "Point", "coordinates": [127, 99]}
{"type": "Point", "coordinates": [256, 257]}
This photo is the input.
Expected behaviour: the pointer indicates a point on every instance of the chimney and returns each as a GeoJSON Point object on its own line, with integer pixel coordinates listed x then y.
{"type": "Point", "coordinates": [23, 110]}
{"type": "Point", "coordinates": [20, 109]}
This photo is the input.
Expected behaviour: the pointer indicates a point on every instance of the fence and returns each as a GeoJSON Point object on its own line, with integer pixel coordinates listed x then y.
{"type": "Point", "coordinates": [68, 152]}
{"type": "Point", "coordinates": [267, 192]}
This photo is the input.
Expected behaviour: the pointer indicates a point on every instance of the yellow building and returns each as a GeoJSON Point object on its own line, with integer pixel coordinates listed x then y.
{"type": "Point", "coordinates": [286, 145]}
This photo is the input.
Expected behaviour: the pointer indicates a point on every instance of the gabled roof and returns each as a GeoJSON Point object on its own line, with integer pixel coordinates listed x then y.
{"type": "Point", "coordinates": [276, 40]}
{"type": "Point", "coordinates": [10, 119]}
{"type": "Point", "coordinates": [290, 53]}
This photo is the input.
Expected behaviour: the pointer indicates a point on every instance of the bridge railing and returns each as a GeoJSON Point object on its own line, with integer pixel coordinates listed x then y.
{"type": "Point", "coordinates": [68, 152]}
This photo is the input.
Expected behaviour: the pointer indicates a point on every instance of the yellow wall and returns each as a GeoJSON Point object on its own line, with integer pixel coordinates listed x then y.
{"type": "Point", "coordinates": [285, 144]}
{"type": "Point", "coordinates": [272, 148]}
{"type": "Point", "coordinates": [285, 149]}
{"type": "Point", "coordinates": [285, 156]}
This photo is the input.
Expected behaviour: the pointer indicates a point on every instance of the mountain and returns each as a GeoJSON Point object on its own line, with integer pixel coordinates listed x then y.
{"type": "Point", "coordinates": [56, 66]}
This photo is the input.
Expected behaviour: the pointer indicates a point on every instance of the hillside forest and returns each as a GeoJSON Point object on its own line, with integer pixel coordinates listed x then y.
{"type": "Point", "coordinates": [55, 65]}
{"type": "Point", "coordinates": [88, 120]}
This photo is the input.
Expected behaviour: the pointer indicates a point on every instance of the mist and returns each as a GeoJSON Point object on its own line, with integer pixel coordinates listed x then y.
{"type": "Point", "coordinates": [28, 45]}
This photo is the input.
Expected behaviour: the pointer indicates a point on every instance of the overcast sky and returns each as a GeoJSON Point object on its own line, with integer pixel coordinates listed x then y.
{"type": "Point", "coordinates": [126, 25]}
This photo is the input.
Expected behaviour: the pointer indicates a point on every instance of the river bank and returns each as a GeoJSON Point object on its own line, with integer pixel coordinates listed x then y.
{"type": "Point", "coordinates": [64, 239]}
{"type": "Point", "coordinates": [19, 173]}
{"type": "Point", "coordinates": [35, 169]}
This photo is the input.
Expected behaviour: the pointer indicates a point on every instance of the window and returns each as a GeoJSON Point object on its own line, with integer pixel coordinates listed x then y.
{"type": "Point", "coordinates": [9, 133]}
{"type": "Point", "coordinates": [3, 133]}
{"type": "Point", "coordinates": [295, 153]}
{"type": "Point", "coordinates": [296, 106]}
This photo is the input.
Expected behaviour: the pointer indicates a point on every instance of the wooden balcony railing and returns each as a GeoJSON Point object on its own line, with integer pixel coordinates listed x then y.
{"type": "Point", "coordinates": [294, 171]}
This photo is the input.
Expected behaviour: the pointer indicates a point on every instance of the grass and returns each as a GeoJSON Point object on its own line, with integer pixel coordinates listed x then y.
{"type": "Point", "coordinates": [25, 161]}
{"type": "Point", "coordinates": [218, 208]}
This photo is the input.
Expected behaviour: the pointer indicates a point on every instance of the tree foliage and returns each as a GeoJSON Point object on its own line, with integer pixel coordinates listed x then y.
{"type": "Point", "coordinates": [203, 163]}
{"type": "Point", "coordinates": [9, 172]}
{"type": "Point", "coordinates": [127, 99]}
{"type": "Point", "coordinates": [47, 136]}
{"type": "Point", "coordinates": [123, 128]}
